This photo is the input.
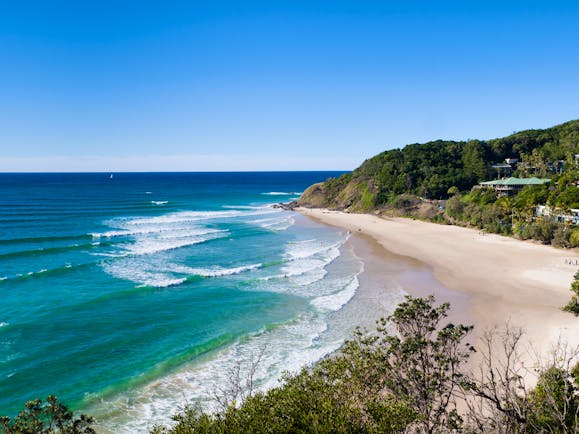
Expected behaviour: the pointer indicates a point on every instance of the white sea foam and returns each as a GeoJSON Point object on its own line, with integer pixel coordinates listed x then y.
{"type": "Point", "coordinates": [275, 224]}
{"type": "Point", "coordinates": [281, 193]}
{"type": "Point", "coordinates": [3, 324]}
{"type": "Point", "coordinates": [336, 301]}
{"type": "Point", "coordinates": [215, 271]}
{"type": "Point", "coordinates": [161, 281]}
{"type": "Point", "coordinates": [178, 222]}
{"type": "Point", "coordinates": [152, 229]}
{"type": "Point", "coordinates": [243, 207]}
{"type": "Point", "coordinates": [138, 273]}
{"type": "Point", "coordinates": [310, 248]}
{"type": "Point", "coordinates": [307, 260]}
{"type": "Point", "coordinates": [305, 264]}
{"type": "Point", "coordinates": [125, 233]}
{"type": "Point", "coordinates": [109, 255]}
{"type": "Point", "coordinates": [148, 246]}
{"type": "Point", "coordinates": [150, 236]}
{"type": "Point", "coordinates": [291, 346]}
{"type": "Point", "coordinates": [286, 348]}
{"type": "Point", "coordinates": [195, 216]}
{"type": "Point", "coordinates": [162, 274]}
{"type": "Point", "coordinates": [32, 273]}
{"type": "Point", "coordinates": [281, 225]}
{"type": "Point", "coordinates": [159, 202]}
{"type": "Point", "coordinates": [172, 235]}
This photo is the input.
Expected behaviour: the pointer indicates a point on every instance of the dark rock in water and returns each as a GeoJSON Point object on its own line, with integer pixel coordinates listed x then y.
{"type": "Point", "coordinates": [290, 206]}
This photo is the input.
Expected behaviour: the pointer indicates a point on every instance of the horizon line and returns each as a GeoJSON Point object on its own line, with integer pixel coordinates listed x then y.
{"type": "Point", "coordinates": [166, 171]}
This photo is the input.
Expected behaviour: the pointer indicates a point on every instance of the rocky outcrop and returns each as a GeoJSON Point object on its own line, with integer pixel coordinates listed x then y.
{"type": "Point", "coordinates": [315, 196]}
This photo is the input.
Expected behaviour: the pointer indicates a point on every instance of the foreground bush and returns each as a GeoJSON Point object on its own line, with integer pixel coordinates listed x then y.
{"type": "Point", "coordinates": [407, 377]}
{"type": "Point", "coordinates": [49, 417]}
{"type": "Point", "coordinates": [382, 382]}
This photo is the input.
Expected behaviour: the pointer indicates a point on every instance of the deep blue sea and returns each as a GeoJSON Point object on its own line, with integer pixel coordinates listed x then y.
{"type": "Point", "coordinates": [128, 295]}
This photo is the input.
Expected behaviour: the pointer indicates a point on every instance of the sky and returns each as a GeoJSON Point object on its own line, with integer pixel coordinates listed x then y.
{"type": "Point", "coordinates": [273, 85]}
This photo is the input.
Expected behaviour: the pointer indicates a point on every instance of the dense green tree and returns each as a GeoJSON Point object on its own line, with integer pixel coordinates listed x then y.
{"type": "Point", "coordinates": [475, 165]}
{"type": "Point", "coordinates": [46, 417]}
{"type": "Point", "coordinates": [554, 404]}
{"type": "Point", "coordinates": [431, 169]}
{"type": "Point", "coordinates": [530, 197]}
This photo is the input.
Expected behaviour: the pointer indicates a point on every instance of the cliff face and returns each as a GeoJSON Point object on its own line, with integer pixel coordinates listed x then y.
{"type": "Point", "coordinates": [315, 196]}
{"type": "Point", "coordinates": [430, 170]}
{"type": "Point", "coordinates": [355, 195]}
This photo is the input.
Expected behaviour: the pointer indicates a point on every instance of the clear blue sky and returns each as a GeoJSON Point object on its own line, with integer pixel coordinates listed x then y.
{"type": "Point", "coordinates": [282, 85]}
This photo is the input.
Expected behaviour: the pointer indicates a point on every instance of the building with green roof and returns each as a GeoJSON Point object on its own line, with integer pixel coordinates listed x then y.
{"type": "Point", "coordinates": [511, 186]}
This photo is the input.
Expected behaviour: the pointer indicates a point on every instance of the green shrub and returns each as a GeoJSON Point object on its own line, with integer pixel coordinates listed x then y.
{"type": "Point", "coordinates": [554, 403]}
{"type": "Point", "coordinates": [379, 383]}
{"type": "Point", "coordinates": [49, 417]}
{"type": "Point", "coordinates": [542, 230]}
{"type": "Point", "coordinates": [455, 207]}
{"type": "Point", "coordinates": [574, 237]}
{"type": "Point", "coordinates": [561, 237]}
{"type": "Point", "coordinates": [573, 305]}
{"type": "Point", "coordinates": [368, 199]}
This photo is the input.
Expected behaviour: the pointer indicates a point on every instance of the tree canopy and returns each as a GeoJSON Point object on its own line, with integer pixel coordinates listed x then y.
{"type": "Point", "coordinates": [430, 169]}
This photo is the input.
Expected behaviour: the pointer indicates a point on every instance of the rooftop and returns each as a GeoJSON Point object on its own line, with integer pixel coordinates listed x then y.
{"type": "Point", "coordinates": [517, 181]}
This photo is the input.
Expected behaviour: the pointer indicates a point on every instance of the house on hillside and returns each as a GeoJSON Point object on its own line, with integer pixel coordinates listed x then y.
{"type": "Point", "coordinates": [511, 186]}
{"type": "Point", "coordinates": [503, 169]}
{"type": "Point", "coordinates": [557, 215]}
{"type": "Point", "coordinates": [506, 168]}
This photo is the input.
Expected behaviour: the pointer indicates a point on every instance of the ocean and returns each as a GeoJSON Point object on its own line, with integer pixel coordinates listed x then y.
{"type": "Point", "coordinates": [128, 295]}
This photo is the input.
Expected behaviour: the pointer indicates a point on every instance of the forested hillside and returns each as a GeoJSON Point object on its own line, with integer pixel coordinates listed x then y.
{"type": "Point", "coordinates": [431, 170]}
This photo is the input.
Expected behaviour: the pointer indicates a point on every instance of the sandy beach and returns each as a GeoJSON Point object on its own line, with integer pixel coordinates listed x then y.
{"type": "Point", "coordinates": [489, 279]}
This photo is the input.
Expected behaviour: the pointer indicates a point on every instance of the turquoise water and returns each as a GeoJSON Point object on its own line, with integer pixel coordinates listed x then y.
{"type": "Point", "coordinates": [127, 296]}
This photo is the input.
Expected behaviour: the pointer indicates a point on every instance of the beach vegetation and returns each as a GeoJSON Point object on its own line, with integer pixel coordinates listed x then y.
{"type": "Point", "coordinates": [406, 375]}
{"type": "Point", "coordinates": [561, 236]}
{"type": "Point", "coordinates": [554, 405]}
{"type": "Point", "coordinates": [499, 398]}
{"type": "Point", "coordinates": [574, 237]}
{"type": "Point", "coordinates": [452, 191]}
{"type": "Point", "coordinates": [542, 230]}
{"type": "Point", "coordinates": [368, 198]}
{"type": "Point", "coordinates": [46, 417]}
{"type": "Point", "coordinates": [573, 305]}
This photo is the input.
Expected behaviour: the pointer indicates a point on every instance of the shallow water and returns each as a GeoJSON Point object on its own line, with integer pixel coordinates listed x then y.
{"type": "Point", "coordinates": [128, 297]}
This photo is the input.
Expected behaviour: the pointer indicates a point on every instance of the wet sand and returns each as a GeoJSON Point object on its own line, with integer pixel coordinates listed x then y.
{"type": "Point", "coordinates": [489, 279]}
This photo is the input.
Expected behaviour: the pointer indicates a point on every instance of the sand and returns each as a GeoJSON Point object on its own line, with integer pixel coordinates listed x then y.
{"type": "Point", "coordinates": [489, 279]}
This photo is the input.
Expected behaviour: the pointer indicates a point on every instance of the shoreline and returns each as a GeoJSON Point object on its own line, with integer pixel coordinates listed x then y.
{"type": "Point", "coordinates": [489, 280]}
{"type": "Point", "coordinates": [377, 295]}
{"type": "Point", "coordinates": [393, 264]}
{"type": "Point", "coordinates": [387, 277]}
